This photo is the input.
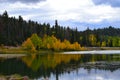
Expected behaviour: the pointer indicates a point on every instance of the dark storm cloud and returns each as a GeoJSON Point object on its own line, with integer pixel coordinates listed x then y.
{"type": "Point", "coordinates": [113, 3]}
{"type": "Point", "coordinates": [23, 1]}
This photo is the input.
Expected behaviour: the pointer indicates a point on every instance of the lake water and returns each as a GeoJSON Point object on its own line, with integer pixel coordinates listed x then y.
{"type": "Point", "coordinates": [64, 66]}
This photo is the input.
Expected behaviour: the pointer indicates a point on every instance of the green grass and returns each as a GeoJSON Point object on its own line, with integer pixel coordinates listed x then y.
{"type": "Point", "coordinates": [20, 50]}
{"type": "Point", "coordinates": [12, 50]}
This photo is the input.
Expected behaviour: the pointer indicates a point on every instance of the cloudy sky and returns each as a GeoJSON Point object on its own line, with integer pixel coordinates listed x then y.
{"type": "Point", "coordinates": [73, 13]}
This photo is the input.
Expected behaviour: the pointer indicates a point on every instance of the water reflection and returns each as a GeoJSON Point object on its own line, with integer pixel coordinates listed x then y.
{"type": "Point", "coordinates": [63, 66]}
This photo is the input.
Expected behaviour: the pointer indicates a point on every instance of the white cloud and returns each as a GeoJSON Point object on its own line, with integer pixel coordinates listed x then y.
{"type": "Point", "coordinates": [19, 5]}
{"type": "Point", "coordinates": [82, 10]}
{"type": "Point", "coordinates": [66, 5]}
{"type": "Point", "coordinates": [64, 10]}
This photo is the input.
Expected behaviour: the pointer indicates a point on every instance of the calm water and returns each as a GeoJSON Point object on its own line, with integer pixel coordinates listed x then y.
{"type": "Point", "coordinates": [63, 66]}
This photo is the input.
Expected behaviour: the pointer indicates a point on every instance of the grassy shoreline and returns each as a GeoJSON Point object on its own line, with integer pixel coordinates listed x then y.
{"type": "Point", "coordinates": [12, 50]}
{"type": "Point", "coordinates": [102, 48]}
{"type": "Point", "coordinates": [20, 50]}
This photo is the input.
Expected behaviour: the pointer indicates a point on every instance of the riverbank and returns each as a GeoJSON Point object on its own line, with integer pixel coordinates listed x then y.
{"type": "Point", "coordinates": [12, 50]}
{"type": "Point", "coordinates": [102, 48]}
{"type": "Point", "coordinates": [20, 50]}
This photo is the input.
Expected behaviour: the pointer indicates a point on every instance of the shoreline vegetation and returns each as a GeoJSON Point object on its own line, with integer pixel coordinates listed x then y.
{"type": "Point", "coordinates": [33, 37]}
{"type": "Point", "coordinates": [36, 43]}
{"type": "Point", "coordinates": [102, 48]}
{"type": "Point", "coordinates": [48, 44]}
{"type": "Point", "coordinates": [20, 50]}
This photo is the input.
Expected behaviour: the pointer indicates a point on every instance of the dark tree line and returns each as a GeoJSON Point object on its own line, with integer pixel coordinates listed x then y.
{"type": "Point", "coordinates": [109, 36]}
{"type": "Point", "coordinates": [14, 31]}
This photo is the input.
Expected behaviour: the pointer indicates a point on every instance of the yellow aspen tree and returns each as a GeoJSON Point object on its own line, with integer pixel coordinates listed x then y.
{"type": "Point", "coordinates": [28, 45]}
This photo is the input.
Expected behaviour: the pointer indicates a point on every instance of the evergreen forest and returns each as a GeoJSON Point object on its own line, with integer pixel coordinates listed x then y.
{"type": "Point", "coordinates": [15, 31]}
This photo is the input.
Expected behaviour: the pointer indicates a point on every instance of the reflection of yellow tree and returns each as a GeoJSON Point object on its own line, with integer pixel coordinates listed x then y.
{"type": "Point", "coordinates": [58, 58]}
{"type": "Point", "coordinates": [48, 61]}
{"type": "Point", "coordinates": [29, 59]}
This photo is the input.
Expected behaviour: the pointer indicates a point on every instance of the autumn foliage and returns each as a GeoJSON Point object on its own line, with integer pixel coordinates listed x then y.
{"type": "Point", "coordinates": [49, 42]}
{"type": "Point", "coordinates": [28, 45]}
